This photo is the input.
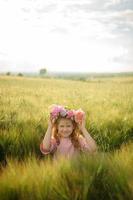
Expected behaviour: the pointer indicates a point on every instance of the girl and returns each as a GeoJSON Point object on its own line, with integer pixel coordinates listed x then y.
{"type": "Point", "coordinates": [66, 134]}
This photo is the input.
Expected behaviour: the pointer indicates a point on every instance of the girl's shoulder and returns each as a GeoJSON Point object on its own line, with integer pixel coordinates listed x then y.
{"type": "Point", "coordinates": [81, 140]}
{"type": "Point", "coordinates": [81, 137]}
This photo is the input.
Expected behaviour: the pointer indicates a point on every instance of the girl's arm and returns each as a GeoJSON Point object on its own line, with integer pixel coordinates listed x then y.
{"type": "Point", "coordinates": [47, 137]}
{"type": "Point", "coordinates": [87, 136]}
{"type": "Point", "coordinates": [89, 140]}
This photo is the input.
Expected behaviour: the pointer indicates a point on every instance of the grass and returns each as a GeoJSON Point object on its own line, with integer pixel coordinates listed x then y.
{"type": "Point", "coordinates": [108, 104]}
{"type": "Point", "coordinates": [103, 176]}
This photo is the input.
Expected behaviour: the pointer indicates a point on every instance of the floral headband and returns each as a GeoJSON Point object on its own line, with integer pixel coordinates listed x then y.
{"type": "Point", "coordinates": [60, 111]}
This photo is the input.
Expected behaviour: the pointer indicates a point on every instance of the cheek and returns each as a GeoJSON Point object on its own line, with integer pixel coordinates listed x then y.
{"type": "Point", "coordinates": [59, 129]}
{"type": "Point", "coordinates": [71, 129]}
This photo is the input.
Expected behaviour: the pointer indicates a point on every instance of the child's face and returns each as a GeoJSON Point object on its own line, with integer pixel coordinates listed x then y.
{"type": "Point", "coordinates": [65, 127]}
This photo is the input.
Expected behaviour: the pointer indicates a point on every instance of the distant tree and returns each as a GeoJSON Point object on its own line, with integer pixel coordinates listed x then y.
{"type": "Point", "coordinates": [20, 74]}
{"type": "Point", "coordinates": [43, 71]}
{"type": "Point", "coordinates": [8, 73]}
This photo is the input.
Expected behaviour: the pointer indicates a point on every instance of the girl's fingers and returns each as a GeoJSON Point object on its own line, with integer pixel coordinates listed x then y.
{"type": "Point", "coordinates": [53, 120]}
{"type": "Point", "coordinates": [84, 117]}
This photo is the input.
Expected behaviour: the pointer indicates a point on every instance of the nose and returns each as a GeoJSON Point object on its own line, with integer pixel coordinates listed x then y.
{"type": "Point", "coordinates": [65, 129]}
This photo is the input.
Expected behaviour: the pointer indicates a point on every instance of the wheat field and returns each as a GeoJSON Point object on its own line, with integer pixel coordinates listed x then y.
{"type": "Point", "coordinates": [26, 174]}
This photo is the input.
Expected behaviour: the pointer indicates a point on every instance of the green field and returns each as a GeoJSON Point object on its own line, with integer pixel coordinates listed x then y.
{"type": "Point", "coordinates": [26, 174]}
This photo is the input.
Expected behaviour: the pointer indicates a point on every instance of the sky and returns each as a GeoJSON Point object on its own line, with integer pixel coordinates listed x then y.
{"type": "Point", "coordinates": [66, 35]}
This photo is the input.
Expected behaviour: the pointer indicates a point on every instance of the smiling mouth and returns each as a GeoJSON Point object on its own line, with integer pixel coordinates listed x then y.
{"type": "Point", "coordinates": [65, 133]}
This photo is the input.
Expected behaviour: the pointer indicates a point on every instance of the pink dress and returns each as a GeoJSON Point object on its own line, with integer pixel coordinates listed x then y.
{"type": "Point", "coordinates": [65, 148]}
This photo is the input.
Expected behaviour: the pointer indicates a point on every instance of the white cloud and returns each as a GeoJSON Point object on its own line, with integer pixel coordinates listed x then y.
{"type": "Point", "coordinates": [64, 35]}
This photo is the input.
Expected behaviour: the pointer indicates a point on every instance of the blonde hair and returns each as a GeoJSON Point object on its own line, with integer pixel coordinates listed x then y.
{"type": "Point", "coordinates": [74, 136]}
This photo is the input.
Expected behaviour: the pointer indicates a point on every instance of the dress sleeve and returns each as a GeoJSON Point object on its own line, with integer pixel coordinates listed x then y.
{"type": "Point", "coordinates": [53, 146]}
{"type": "Point", "coordinates": [85, 147]}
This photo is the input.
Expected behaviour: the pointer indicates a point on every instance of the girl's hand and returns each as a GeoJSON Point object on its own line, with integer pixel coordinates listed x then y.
{"type": "Point", "coordinates": [51, 122]}
{"type": "Point", "coordinates": [81, 125]}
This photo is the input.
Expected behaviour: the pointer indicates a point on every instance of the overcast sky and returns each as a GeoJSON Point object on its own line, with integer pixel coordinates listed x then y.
{"type": "Point", "coordinates": [66, 35]}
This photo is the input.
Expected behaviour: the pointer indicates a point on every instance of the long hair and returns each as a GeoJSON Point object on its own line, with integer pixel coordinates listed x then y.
{"type": "Point", "coordinates": [74, 135]}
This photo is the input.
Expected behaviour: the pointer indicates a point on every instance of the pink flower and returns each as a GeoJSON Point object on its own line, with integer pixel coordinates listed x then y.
{"type": "Point", "coordinates": [55, 110]}
{"type": "Point", "coordinates": [54, 114]}
{"type": "Point", "coordinates": [79, 115]}
{"type": "Point", "coordinates": [70, 114]}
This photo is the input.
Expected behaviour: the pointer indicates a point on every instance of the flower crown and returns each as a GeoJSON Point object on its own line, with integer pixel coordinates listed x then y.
{"type": "Point", "coordinates": [57, 111]}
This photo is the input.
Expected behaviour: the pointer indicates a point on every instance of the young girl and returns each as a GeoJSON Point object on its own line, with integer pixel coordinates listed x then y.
{"type": "Point", "coordinates": [66, 134]}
